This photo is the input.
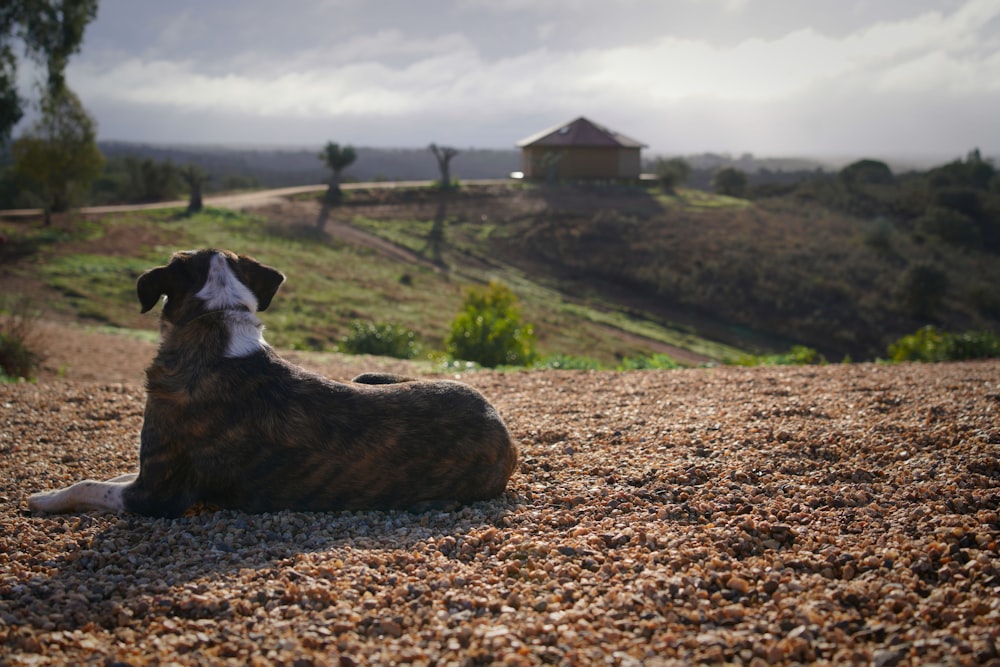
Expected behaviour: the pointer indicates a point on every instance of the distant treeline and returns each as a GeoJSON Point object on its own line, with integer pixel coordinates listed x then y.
{"type": "Point", "coordinates": [233, 168]}
{"type": "Point", "coordinates": [285, 167]}
{"type": "Point", "coordinates": [136, 172]}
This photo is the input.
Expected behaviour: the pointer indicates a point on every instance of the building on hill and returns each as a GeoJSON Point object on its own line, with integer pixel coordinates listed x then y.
{"type": "Point", "coordinates": [580, 150]}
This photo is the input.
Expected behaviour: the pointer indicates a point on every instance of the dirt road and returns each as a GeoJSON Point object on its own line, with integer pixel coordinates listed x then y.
{"type": "Point", "coordinates": [238, 200]}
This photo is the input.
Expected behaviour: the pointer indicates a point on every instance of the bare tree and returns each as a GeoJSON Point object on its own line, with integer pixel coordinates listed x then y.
{"type": "Point", "coordinates": [444, 154]}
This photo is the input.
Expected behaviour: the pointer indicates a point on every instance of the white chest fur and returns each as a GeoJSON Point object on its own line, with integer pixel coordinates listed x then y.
{"type": "Point", "coordinates": [224, 291]}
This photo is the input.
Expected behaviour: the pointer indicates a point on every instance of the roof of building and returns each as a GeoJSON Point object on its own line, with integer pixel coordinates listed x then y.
{"type": "Point", "coordinates": [580, 132]}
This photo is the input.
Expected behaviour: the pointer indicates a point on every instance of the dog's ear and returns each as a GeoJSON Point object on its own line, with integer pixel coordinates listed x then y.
{"type": "Point", "coordinates": [263, 280]}
{"type": "Point", "coordinates": [151, 286]}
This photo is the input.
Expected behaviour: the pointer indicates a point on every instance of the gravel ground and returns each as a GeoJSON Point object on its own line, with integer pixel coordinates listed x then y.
{"type": "Point", "coordinates": [838, 514]}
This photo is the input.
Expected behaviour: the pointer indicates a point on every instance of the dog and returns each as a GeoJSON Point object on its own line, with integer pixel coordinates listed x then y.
{"type": "Point", "coordinates": [230, 424]}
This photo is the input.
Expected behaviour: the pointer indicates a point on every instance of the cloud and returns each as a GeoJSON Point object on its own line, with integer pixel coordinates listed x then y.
{"type": "Point", "coordinates": [791, 84]}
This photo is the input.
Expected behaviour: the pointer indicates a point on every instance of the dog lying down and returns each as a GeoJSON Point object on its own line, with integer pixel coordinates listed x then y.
{"type": "Point", "coordinates": [229, 423]}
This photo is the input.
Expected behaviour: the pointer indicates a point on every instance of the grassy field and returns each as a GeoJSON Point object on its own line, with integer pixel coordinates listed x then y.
{"type": "Point", "coordinates": [604, 273]}
{"type": "Point", "coordinates": [86, 268]}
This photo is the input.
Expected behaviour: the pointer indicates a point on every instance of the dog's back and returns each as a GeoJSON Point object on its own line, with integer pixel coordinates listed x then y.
{"type": "Point", "coordinates": [290, 439]}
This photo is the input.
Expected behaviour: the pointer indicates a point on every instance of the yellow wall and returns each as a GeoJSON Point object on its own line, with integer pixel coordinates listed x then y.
{"type": "Point", "coordinates": [571, 164]}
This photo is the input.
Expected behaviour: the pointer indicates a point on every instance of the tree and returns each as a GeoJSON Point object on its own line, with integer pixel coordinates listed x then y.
{"type": "Point", "coordinates": [149, 180]}
{"type": "Point", "coordinates": [338, 159]}
{"type": "Point", "coordinates": [974, 172]}
{"type": "Point", "coordinates": [922, 289]}
{"type": "Point", "coordinates": [50, 31]}
{"type": "Point", "coordinates": [729, 181]}
{"type": "Point", "coordinates": [194, 177]}
{"type": "Point", "coordinates": [444, 155]}
{"type": "Point", "coordinates": [672, 172]}
{"type": "Point", "coordinates": [871, 172]}
{"type": "Point", "coordinates": [57, 158]}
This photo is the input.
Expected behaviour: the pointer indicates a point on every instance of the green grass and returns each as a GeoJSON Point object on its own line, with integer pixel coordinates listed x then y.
{"type": "Point", "coordinates": [604, 272]}
{"type": "Point", "coordinates": [693, 200]}
{"type": "Point", "coordinates": [567, 325]}
{"type": "Point", "coordinates": [96, 287]}
{"type": "Point", "coordinates": [331, 285]}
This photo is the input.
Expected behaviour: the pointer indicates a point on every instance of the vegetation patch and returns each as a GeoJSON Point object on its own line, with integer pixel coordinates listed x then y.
{"type": "Point", "coordinates": [490, 329]}
{"type": "Point", "coordinates": [381, 339]}
{"type": "Point", "coordinates": [19, 356]}
{"type": "Point", "coordinates": [930, 344]}
{"type": "Point", "coordinates": [841, 266]}
{"type": "Point", "coordinates": [799, 355]}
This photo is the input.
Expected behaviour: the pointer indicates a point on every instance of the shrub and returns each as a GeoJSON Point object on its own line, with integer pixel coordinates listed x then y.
{"type": "Point", "coordinates": [878, 236]}
{"type": "Point", "coordinates": [967, 201]}
{"type": "Point", "coordinates": [922, 289]}
{"type": "Point", "coordinates": [799, 355]}
{"type": "Point", "coordinates": [672, 173]}
{"type": "Point", "coordinates": [729, 181]}
{"type": "Point", "coordinates": [17, 358]}
{"type": "Point", "coordinates": [384, 340]}
{"type": "Point", "coordinates": [653, 362]}
{"type": "Point", "coordinates": [490, 331]}
{"type": "Point", "coordinates": [986, 298]}
{"type": "Point", "coordinates": [950, 226]}
{"type": "Point", "coordinates": [866, 171]}
{"type": "Point", "coordinates": [929, 344]}
{"type": "Point", "coordinates": [565, 362]}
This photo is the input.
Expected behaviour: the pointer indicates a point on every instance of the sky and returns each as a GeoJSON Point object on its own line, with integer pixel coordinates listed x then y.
{"type": "Point", "coordinates": [776, 78]}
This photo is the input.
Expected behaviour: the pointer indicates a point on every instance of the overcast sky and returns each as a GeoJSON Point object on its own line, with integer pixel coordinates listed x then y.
{"type": "Point", "coordinates": [874, 78]}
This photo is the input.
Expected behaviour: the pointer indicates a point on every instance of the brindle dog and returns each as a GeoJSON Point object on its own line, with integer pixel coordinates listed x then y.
{"type": "Point", "coordinates": [229, 423]}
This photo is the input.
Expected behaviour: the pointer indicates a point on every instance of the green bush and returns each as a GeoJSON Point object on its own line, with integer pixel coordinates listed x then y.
{"type": "Point", "coordinates": [653, 362]}
{"type": "Point", "coordinates": [922, 289]}
{"type": "Point", "coordinates": [867, 172]}
{"type": "Point", "coordinates": [986, 298]}
{"type": "Point", "coordinates": [729, 181]}
{"type": "Point", "coordinates": [950, 226]}
{"type": "Point", "coordinates": [565, 362]}
{"type": "Point", "coordinates": [490, 331]}
{"type": "Point", "coordinates": [384, 340]}
{"type": "Point", "coordinates": [672, 173]}
{"type": "Point", "coordinates": [17, 358]}
{"type": "Point", "coordinates": [878, 235]}
{"type": "Point", "coordinates": [929, 344]}
{"type": "Point", "coordinates": [799, 355]}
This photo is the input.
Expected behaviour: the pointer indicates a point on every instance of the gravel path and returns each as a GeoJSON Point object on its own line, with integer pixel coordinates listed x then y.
{"type": "Point", "coordinates": [838, 514]}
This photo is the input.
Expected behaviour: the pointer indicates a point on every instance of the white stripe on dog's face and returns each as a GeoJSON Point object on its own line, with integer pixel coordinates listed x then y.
{"type": "Point", "coordinates": [223, 289]}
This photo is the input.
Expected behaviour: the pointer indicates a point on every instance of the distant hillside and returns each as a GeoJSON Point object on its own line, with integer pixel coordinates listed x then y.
{"type": "Point", "coordinates": [843, 262]}
{"type": "Point", "coordinates": [280, 167]}
{"type": "Point", "coordinates": [842, 266]}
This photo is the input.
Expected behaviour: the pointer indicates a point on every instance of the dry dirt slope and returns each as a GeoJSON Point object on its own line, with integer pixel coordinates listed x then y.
{"type": "Point", "coordinates": [842, 514]}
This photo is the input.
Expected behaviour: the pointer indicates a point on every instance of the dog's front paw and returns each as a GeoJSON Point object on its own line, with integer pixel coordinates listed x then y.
{"type": "Point", "coordinates": [45, 502]}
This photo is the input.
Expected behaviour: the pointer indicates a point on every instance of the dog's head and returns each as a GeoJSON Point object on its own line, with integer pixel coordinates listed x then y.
{"type": "Point", "coordinates": [207, 280]}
